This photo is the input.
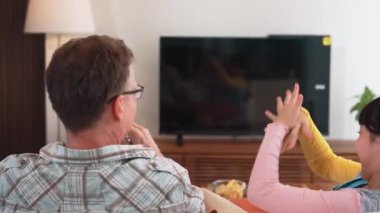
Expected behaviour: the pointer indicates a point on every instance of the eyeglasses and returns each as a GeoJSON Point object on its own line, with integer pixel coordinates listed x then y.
{"type": "Point", "coordinates": [138, 93]}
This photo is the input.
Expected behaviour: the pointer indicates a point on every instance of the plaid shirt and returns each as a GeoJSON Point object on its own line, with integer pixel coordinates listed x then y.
{"type": "Point", "coordinates": [115, 178]}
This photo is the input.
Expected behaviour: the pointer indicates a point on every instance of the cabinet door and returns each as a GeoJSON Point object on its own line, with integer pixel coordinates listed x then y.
{"type": "Point", "coordinates": [205, 169]}
{"type": "Point", "coordinates": [294, 170]}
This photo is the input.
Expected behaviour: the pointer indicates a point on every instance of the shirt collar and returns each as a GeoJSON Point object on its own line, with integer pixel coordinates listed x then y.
{"type": "Point", "coordinates": [56, 152]}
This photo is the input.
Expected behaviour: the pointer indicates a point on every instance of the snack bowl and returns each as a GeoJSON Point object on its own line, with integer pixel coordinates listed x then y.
{"type": "Point", "coordinates": [230, 189]}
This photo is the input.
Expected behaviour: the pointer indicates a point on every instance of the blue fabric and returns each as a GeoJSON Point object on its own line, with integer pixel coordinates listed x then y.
{"type": "Point", "coordinates": [358, 182]}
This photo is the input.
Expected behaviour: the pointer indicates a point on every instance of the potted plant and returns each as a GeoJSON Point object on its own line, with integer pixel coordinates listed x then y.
{"type": "Point", "coordinates": [367, 96]}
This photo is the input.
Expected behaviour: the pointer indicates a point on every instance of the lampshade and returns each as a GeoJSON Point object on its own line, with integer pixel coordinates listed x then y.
{"type": "Point", "coordinates": [58, 16]}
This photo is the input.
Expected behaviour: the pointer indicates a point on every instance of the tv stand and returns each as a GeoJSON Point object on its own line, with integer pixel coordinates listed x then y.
{"type": "Point", "coordinates": [209, 159]}
{"type": "Point", "coordinates": [179, 140]}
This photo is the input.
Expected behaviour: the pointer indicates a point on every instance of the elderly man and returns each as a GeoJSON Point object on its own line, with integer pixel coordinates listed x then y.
{"type": "Point", "coordinates": [108, 163]}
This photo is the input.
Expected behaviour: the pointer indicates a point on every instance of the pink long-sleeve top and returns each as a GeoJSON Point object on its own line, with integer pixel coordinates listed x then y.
{"type": "Point", "coordinates": [266, 192]}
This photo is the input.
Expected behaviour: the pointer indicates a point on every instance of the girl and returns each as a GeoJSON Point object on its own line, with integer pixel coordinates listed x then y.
{"type": "Point", "coordinates": [267, 193]}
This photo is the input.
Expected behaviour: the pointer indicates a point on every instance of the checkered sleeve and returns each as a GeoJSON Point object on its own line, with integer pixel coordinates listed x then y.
{"type": "Point", "coordinates": [12, 161]}
{"type": "Point", "coordinates": [194, 199]}
{"type": "Point", "coordinates": [2, 168]}
{"type": "Point", "coordinates": [193, 195]}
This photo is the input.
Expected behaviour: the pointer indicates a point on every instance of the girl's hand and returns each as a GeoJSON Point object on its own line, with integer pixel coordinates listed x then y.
{"type": "Point", "coordinates": [288, 110]}
{"type": "Point", "coordinates": [291, 138]}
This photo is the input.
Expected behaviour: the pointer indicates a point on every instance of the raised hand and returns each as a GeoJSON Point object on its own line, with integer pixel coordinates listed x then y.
{"type": "Point", "coordinates": [289, 109]}
{"type": "Point", "coordinates": [141, 135]}
{"type": "Point", "coordinates": [291, 138]}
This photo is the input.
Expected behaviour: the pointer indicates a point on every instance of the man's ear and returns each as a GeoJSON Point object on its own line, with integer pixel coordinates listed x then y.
{"type": "Point", "coordinates": [118, 107]}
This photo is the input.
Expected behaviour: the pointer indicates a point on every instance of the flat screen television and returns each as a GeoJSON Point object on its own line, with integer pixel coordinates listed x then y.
{"type": "Point", "coordinates": [222, 86]}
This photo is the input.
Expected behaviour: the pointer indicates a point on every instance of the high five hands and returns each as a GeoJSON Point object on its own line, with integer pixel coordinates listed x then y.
{"type": "Point", "coordinates": [289, 113]}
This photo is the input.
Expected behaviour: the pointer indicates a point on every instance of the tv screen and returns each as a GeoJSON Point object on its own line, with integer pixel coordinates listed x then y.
{"type": "Point", "coordinates": [223, 86]}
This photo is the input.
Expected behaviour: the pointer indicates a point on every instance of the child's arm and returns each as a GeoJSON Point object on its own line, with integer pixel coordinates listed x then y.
{"type": "Point", "coordinates": [266, 192]}
{"type": "Point", "coordinates": [322, 159]}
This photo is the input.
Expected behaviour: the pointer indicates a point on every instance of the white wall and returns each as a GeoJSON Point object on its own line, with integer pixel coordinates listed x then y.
{"type": "Point", "coordinates": [351, 23]}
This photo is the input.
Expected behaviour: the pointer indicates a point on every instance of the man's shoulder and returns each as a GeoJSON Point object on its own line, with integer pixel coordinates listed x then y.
{"type": "Point", "coordinates": [14, 167]}
{"type": "Point", "coordinates": [158, 164]}
{"type": "Point", "coordinates": [18, 161]}
{"type": "Point", "coordinates": [164, 164]}
{"type": "Point", "coordinates": [157, 169]}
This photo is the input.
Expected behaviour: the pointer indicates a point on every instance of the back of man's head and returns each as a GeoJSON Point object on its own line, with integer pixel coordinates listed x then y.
{"type": "Point", "coordinates": [82, 75]}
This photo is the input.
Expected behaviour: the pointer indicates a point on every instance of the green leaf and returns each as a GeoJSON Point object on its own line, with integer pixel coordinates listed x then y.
{"type": "Point", "coordinates": [356, 107]}
{"type": "Point", "coordinates": [367, 96]}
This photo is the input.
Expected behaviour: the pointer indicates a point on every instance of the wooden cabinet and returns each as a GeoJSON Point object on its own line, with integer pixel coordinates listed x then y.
{"type": "Point", "coordinates": [204, 169]}
{"type": "Point", "coordinates": [294, 170]}
{"type": "Point", "coordinates": [212, 159]}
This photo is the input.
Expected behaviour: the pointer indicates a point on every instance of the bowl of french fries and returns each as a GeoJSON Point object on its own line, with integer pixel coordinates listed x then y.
{"type": "Point", "coordinates": [230, 189]}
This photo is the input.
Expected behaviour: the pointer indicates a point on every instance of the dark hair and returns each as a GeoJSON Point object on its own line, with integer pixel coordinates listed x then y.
{"type": "Point", "coordinates": [82, 74]}
{"type": "Point", "coordinates": [370, 116]}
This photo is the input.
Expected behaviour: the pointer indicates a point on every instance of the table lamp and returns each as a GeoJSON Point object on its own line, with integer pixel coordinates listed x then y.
{"type": "Point", "coordinates": [56, 18]}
